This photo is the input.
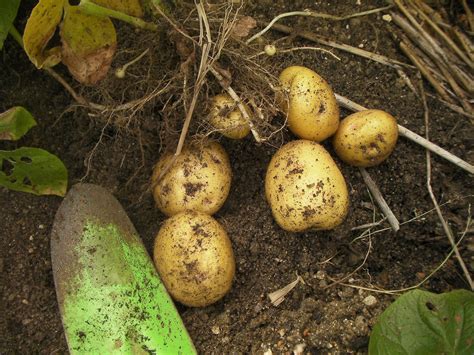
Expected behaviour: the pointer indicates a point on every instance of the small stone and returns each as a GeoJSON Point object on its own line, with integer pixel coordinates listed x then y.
{"type": "Point", "coordinates": [268, 352]}
{"type": "Point", "coordinates": [299, 349]}
{"type": "Point", "coordinates": [370, 301]}
{"type": "Point", "coordinates": [387, 18]}
{"type": "Point", "coordinates": [361, 325]}
{"type": "Point", "coordinates": [216, 330]}
{"type": "Point", "coordinates": [320, 275]}
{"type": "Point", "coordinates": [41, 226]}
{"type": "Point", "coordinates": [282, 332]}
{"type": "Point", "coordinates": [25, 301]}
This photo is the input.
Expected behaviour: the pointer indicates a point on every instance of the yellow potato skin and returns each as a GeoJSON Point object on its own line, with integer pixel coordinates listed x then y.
{"type": "Point", "coordinates": [305, 188]}
{"type": "Point", "coordinates": [194, 258]}
{"type": "Point", "coordinates": [366, 138]}
{"type": "Point", "coordinates": [312, 109]}
{"type": "Point", "coordinates": [226, 117]}
{"type": "Point", "coordinates": [199, 180]}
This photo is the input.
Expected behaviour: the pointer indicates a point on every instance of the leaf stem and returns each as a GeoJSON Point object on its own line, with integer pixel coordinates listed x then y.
{"type": "Point", "coordinates": [96, 10]}
{"type": "Point", "coordinates": [16, 35]}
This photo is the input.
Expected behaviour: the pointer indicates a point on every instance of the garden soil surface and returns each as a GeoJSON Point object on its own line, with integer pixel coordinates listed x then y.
{"type": "Point", "coordinates": [317, 315]}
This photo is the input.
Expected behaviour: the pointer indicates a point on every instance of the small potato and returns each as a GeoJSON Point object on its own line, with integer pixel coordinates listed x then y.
{"type": "Point", "coordinates": [198, 180]}
{"type": "Point", "coordinates": [312, 108]}
{"type": "Point", "coordinates": [305, 188]}
{"type": "Point", "coordinates": [194, 258]}
{"type": "Point", "coordinates": [366, 138]}
{"type": "Point", "coordinates": [226, 117]}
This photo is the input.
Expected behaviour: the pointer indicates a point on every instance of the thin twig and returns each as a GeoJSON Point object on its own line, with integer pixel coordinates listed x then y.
{"type": "Point", "coordinates": [405, 132]}
{"type": "Point", "coordinates": [279, 51]}
{"type": "Point", "coordinates": [374, 190]}
{"type": "Point", "coordinates": [344, 47]}
{"type": "Point", "coordinates": [446, 227]}
{"type": "Point", "coordinates": [313, 14]}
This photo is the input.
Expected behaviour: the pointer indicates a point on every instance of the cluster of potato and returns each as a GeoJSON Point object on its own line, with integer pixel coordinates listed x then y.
{"type": "Point", "coordinates": [304, 187]}
{"type": "Point", "coordinates": [192, 251]}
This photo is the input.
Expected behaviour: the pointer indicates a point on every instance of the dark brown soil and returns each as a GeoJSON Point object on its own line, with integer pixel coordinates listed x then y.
{"type": "Point", "coordinates": [333, 319]}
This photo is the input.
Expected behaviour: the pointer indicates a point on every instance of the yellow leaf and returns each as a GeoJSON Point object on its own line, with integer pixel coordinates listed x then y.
{"type": "Point", "coordinates": [89, 44]}
{"type": "Point", "coordinates": [130, 7]}
{"type": "Point", "coordinates": [39, 29]}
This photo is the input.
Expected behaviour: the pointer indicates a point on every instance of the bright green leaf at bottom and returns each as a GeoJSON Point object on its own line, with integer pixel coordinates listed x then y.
{"type": "Point", "coordinates": [421, 322]}
{"type": "Point", "coordinates": [15, 122]}
{"type": "Point", "coordinates": [8, 10]}
{"type": "Point", "coordinates": [33, 170]}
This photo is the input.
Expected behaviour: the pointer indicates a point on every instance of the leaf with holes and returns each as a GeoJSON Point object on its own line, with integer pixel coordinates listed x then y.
{"type": "Point", "coordinates": [421, 322]}
{"type": "Point", "coordinates": [15, 122]}
{"type": "Point", "coordinates": [129, 7]}
{"type": "Point", "coordinates": [40, 27]}
{"type": "Point", "coordinates": [89, 44]}
{"type": "Point", "coordinates": [33, 170]}
{"type": "Point", "coordinates": [8, 10]}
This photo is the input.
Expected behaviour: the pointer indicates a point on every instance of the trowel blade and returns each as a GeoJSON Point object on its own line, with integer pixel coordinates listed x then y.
{"type": "Point", "coordinates": [110, 296]}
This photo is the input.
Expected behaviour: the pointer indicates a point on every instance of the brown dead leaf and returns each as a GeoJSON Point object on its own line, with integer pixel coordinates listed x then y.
{"type": "Point", "coordinates": [243, 26]}
{"type": "Point", "coordinates": [88, 45]}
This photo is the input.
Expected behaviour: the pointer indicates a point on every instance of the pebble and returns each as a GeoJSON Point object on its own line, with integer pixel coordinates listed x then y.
{"type": "Point", "coordinates": [320, 275]}
{"type": "Point", "coordinates": [299, 349]}
{"type": "Point", "coordinates": [215, 330]}
{"type": "Point", "coordinates": [387, 18]}
{"type": "Point", "coordinates": [361, 325]}
{"type": "Point", "coordinates": [268, 352]}
{"type": "Point", "coordinates": [370, 301]}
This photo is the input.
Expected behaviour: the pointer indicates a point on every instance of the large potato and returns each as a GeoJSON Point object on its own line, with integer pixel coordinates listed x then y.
{"type": "Point", "coordinates": [305, 188]}
{"type": "Point", "coordinates": [226, 117]}
{"type": "Point", "coordinates": [194, 258]}
{"type": "Point", "coordinates": [312, 108]}
{"type": "Point", "coordinates": [366, 138]}
{"type": "Point", "coordinates": [198, 180]}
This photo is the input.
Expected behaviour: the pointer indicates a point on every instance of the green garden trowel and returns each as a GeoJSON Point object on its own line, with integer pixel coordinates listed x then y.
{"type": "Point", "coordinates": [110, 296]}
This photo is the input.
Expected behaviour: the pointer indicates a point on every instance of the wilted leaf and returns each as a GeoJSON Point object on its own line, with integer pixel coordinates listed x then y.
{"type": "Point", "coordinates": [15, 122]}
{"type": "Point", "coordinates": [8, 10]}
{"type": "Point", "coordinates": [130, 7]}
{"type": "Point", "coordinates": [39, 29]}
{"type": "Point", "coordinates": [421, 322]}
{"type": "Point", "coordinates": [243, 26]}
{"type": "Point", "coordinates": [89, 44]}
{"type": "Point", "coordinates": [33, 170]}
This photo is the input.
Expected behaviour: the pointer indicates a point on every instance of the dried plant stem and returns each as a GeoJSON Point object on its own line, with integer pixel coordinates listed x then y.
{"type": "Point", "coordinates": [377, 195]}
{"type": "Point", "coordinates": [313, 14]}
{"type": "Point", "coordinates": [410, 53]}
{"type": "Point", "coordinates": [453, 107]}
{"type": "Point", "coordinates": [293, 49]}
{"type": "Point", "coordinates": [238, 102]}
{"type": "Point", "coordinates": [344, 47]}
{"type": "Point", "coordinates": [446, 39]}
{"type": "Point", "coordinates": [446, 227]}
{"type": "Point", "coordinates": [470, 17]}
{"type": "Point", "coordinates": [405, 132]}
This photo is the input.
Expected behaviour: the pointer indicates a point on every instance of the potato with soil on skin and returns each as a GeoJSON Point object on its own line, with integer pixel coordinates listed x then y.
{"type": "Point", "coordinates": [198, 180]}
{"type": "Point", "coordinates": [366, 138]}
{"type": "Point", "coordinates": [312, 108]}
{"type": "Point", "coordinates": [194, 258]}
{"type": "Point", "coordinates": [305, 188]}
{"type": "Point", "coordinates": [226, 117]}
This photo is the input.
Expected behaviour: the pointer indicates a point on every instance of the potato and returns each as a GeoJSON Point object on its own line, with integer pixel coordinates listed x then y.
{"type": "Point", "coordinates": [366, 138]}
{"type": "Point", "coordinates": [305, 188]}
{"type": "Point", "coordinates": [194, 258]}
{"type": "Point", "coordinates": [312, 108]}
{"type": "Point", "coordinates": [198, 180]}
{"type": "Point", "coordinates": [226, 117]}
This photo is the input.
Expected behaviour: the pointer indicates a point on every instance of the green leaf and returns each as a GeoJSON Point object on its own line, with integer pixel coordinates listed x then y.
{"type": "Point", "coordinates": [8, 10]}
{"type": "Point", "coordinates": [15, 122]}
{"type": "Point", "coordinates": [129, 7]}
{"type": "Point", "coordinates": [89, 44]}
{"type": "Point", "coordinates": [421, 322]}
{"type": "Point", "coordinates": [40, 27]}
{"type": "Point", "coordinates": [33, 170]}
